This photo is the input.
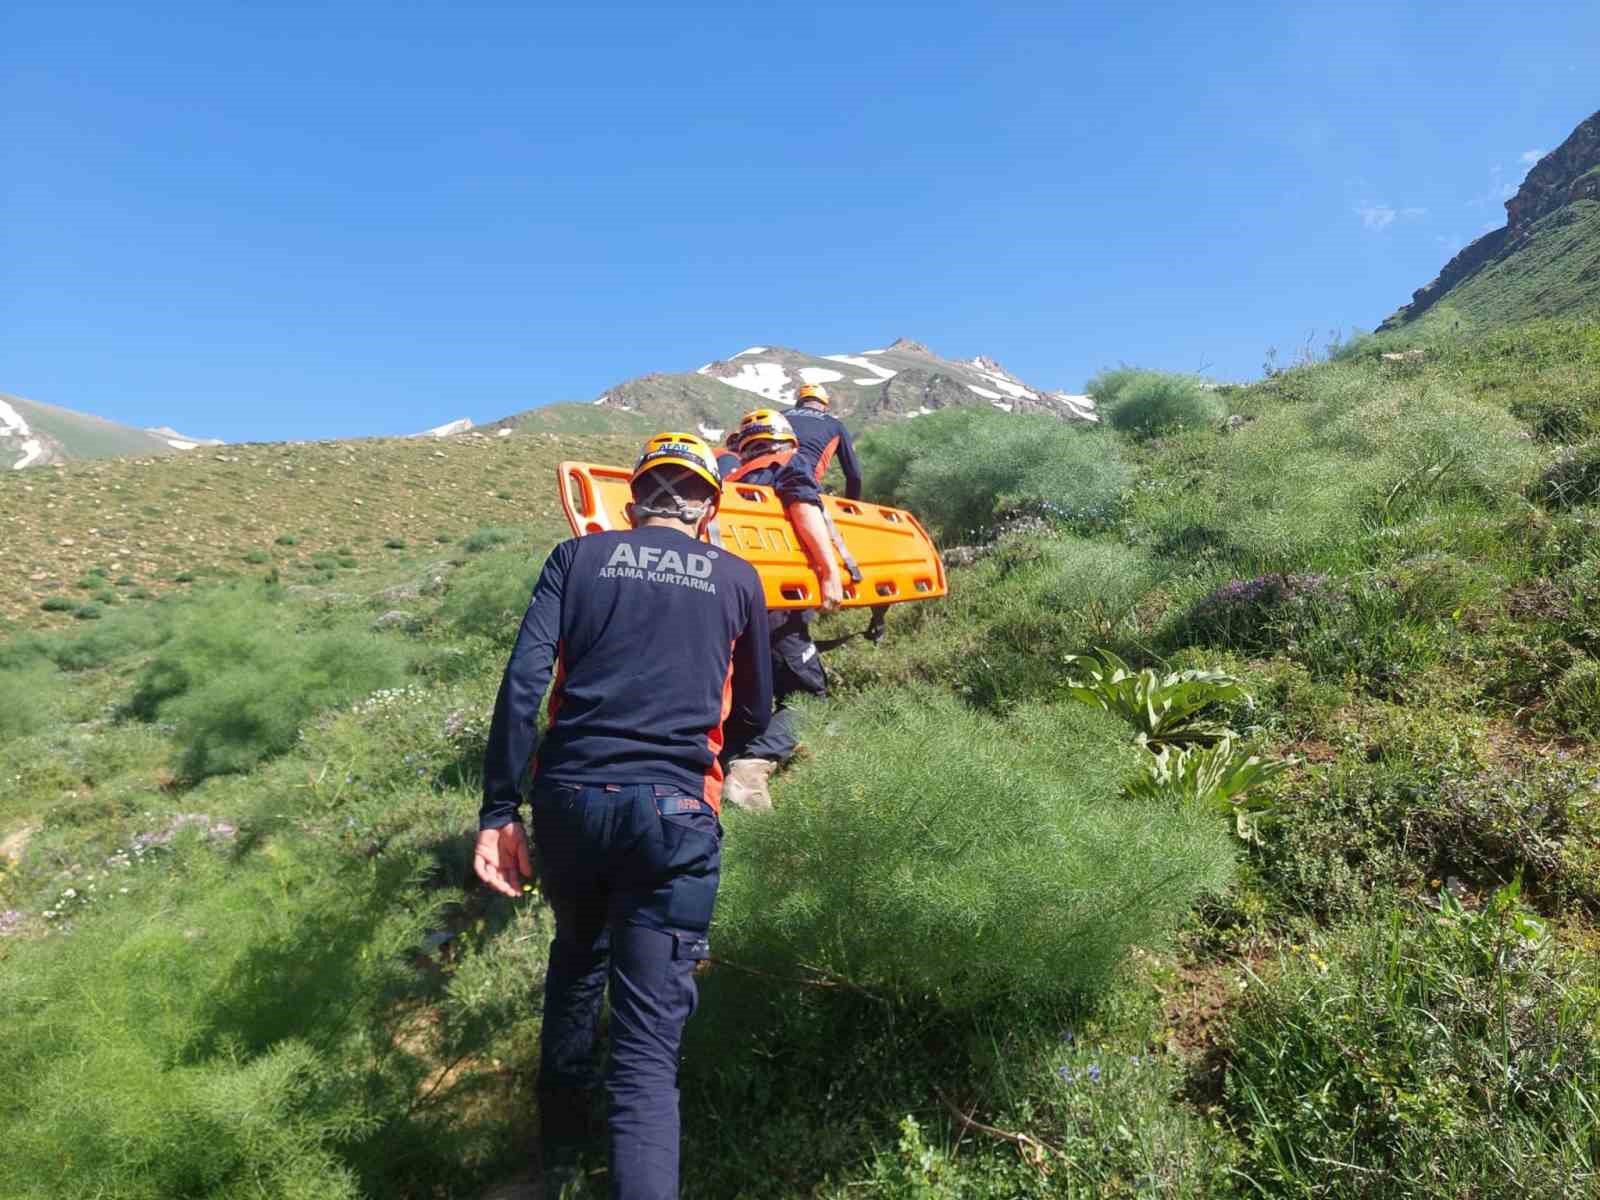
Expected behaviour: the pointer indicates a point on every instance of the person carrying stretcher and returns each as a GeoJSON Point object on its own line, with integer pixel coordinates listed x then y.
{"type": "Point", "coordinates": [819, 438]}
{"type": "Point", "coordinates": [767, 452]}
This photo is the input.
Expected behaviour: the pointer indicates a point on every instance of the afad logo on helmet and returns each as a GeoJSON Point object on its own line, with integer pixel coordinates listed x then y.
{"type": "Point", "coordinates": [764, 427]}
{"type": "Point", "coordinates": [680, 450]}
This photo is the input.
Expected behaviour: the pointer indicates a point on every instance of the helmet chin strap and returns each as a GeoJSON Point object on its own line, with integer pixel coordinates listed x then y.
{"type": "Point", "coordinates": [663, 500]}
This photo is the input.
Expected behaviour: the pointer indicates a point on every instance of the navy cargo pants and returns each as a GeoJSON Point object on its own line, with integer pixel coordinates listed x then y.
{"type": "Point", "coordinates": [630, 872]}
{"type": "Point", "coordinates": [796, 670]}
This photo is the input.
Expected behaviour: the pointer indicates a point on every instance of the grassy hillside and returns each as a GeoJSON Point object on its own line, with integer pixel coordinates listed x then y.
{"type": "Point", "coordinates": [69, 435]}
{"type": "Point", "coordinates": [989, 945]}
{"type": "Point", "coordinates": [98, 533]}
{"type": "Point", "coordinates": [1555, 272]}
{"type": "Point", "coordinates": [1545, 260]}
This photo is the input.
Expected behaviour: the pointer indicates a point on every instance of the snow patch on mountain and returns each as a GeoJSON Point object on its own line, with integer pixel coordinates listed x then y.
{"type": "Point", "coordinates": [710, 434]}
{"type": "Point", "coordinates": [984, 392]}
{"type": "Point", "coordinates": [820, 375]}
{"type": "Point", "coordinates": [856, 360]}
{"type": "Point", "coordinates": [751, 350]}
{"type": "Point", "coordinates": [12, 425]}
{"type": "Point", "coordinates": [182, 441]}
{"type": "Point", "coordinates": [447, 430]}
{"type": "Point", "coordinates": [767, 379]}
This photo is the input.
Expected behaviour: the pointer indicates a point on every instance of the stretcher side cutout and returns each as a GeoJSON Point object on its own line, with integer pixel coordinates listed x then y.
{"type": "Point", "coordinates": [897, 558]}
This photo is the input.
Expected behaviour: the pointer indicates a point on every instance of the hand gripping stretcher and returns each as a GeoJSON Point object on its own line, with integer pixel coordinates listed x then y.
{"type": "Point", "coordinates": [895, 555]}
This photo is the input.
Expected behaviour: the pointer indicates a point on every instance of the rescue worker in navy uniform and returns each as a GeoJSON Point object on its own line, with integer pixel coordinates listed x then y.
{"type": "Point", "coordinates": [728, 456]}
{"type": "Point", "coordinates": [768, 454]}
{"type": "Point", "coordinates": [659, 642]}
{"type": "Point", "coordinates": [819, 437]}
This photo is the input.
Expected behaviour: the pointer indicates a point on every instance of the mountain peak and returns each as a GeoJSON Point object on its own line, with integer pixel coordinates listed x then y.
{"type": "Point", "coordinates": [1545, 260]}
{"type": "Point", "coordinates": [901, 381]}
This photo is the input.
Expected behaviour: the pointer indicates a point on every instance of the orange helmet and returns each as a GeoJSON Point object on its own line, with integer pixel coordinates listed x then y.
{"type": "Point", "coordinates": [686, 450]}
{"type": "Point", "coordinates": [766, 425]}
{"type": "Point", "coordinates": [812, 391]}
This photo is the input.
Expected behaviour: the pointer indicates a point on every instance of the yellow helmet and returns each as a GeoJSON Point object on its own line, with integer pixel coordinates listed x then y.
{"type": "Point", "coordinates": [686, 450]}
{"type": "Point", "coordinates": [812, 391]}
{"type": "Point", "coordinates": [766, 425]}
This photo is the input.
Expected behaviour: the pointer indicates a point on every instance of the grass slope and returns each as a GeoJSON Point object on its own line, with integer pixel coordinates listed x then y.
{"type": "Point", "coordinates": [1555, 272]}
{"type": "Point", "coordinates": [963, 960]}
{"type": "Point", "coordinates": [75, 435]}
{"type": "Point", "coordinates": [100, 531]}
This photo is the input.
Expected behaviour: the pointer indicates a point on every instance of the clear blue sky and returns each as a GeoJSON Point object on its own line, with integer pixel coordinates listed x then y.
{"type": "Point", "coordinates": [275, 220]}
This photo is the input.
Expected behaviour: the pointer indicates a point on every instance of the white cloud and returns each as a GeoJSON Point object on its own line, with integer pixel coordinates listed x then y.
{"type": "Point", "coordinates": [1531, 156]}
{"type": "Point", "coordinates": [1378, 217]}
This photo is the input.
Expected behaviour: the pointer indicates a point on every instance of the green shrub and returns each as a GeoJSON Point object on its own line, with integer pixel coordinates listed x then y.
{"type": "Point", "coordinates": [251, 712]}
{"type": "Point", "coordinates": [183, 577]}
{"type": "Point", "coordinates": [58, 604]}
{"type": "Point", "coordinates": [1435, 1056]}
{"type": "Point", "coordinates": [88, 612]}
{"type": "Point", "coordinates": [1573, 479]}
{"type": "Point", "coordinates": [324, 562]}
{"type": "Point", "coordinates": [488, 597]}
{"type": "Point", "coordinates": [487, 538]}
{"type": "Point", "coordinates": [26, 699]}
{"type": "Point", "coordinates": [1336, 463]}
{"type": "Point", "coordinates": [286, 539]}
{"type": "Point", "coordinates": [964, 470]}
{"type": "Point", "coordinates": [1108, 386]}
{"type": "Point", "coordinates": [246, 1026]}
{"type": "Point", "coordinates": [394, 543]}
{"type": "Point", "coordinates": [1574, 700]}
{"type": "Point", "coordinates": [239, 682]}
{"type": "Point", "coordinates": [113, 639]}
{"type": "Point", "coordinates": [256, 556]}
{"type": "Point", "coordinates": [1000, 636]}
{"type": "Point", "coordinates": [1152, 402]}
{"type": "Point", "coordinates": [927, 849]}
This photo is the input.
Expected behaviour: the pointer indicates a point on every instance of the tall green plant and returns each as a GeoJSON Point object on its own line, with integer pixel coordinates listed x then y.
{"type": "Point", "coordinates": [1163, 709]}
{"type": "Point", "coordinates": [928, 849]}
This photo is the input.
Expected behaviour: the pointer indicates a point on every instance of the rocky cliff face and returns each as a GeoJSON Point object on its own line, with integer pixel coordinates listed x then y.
{"type": "Point", "coordinates": [1569, 172]}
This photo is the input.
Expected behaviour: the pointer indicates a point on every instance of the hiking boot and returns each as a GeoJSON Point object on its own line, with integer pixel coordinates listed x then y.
{"type": "Point", "coordinates": [745, 785]}
{"type": "Point", "coordinates": [877, 626]}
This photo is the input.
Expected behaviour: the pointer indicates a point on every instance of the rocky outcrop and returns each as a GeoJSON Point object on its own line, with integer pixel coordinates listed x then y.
{"type": "Point", "coordinates": [1569, 172]}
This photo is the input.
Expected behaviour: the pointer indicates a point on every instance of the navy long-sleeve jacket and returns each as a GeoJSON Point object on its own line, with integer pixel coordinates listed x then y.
{"type": "Point", "coordinates": [784, 472]}
{"type": "Point", "coordinates": [823, 435]}
{"type": "Point", "coordinates": [656, 641]}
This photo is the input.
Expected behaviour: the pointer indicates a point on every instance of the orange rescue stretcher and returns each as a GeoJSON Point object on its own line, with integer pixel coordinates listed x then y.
{"type": "Point", "coordinates": [894, 553]}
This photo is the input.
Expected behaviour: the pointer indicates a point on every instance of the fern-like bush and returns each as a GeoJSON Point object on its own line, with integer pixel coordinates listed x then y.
{"type": "Point", "coordinates": [927, 849]}
{"type": "Point", "coordinates": [248, 1030]}
{"type": "Point", "coordinates": [488, 596]}
{"type": "Point", "coordinates": [964, 470]}
{"type": "Point", "coordinates": [239, 681]}
{"type": "Point", "coordinates": [1147, 403]}
{"type": "Point", "coordinates": [26, 697]}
